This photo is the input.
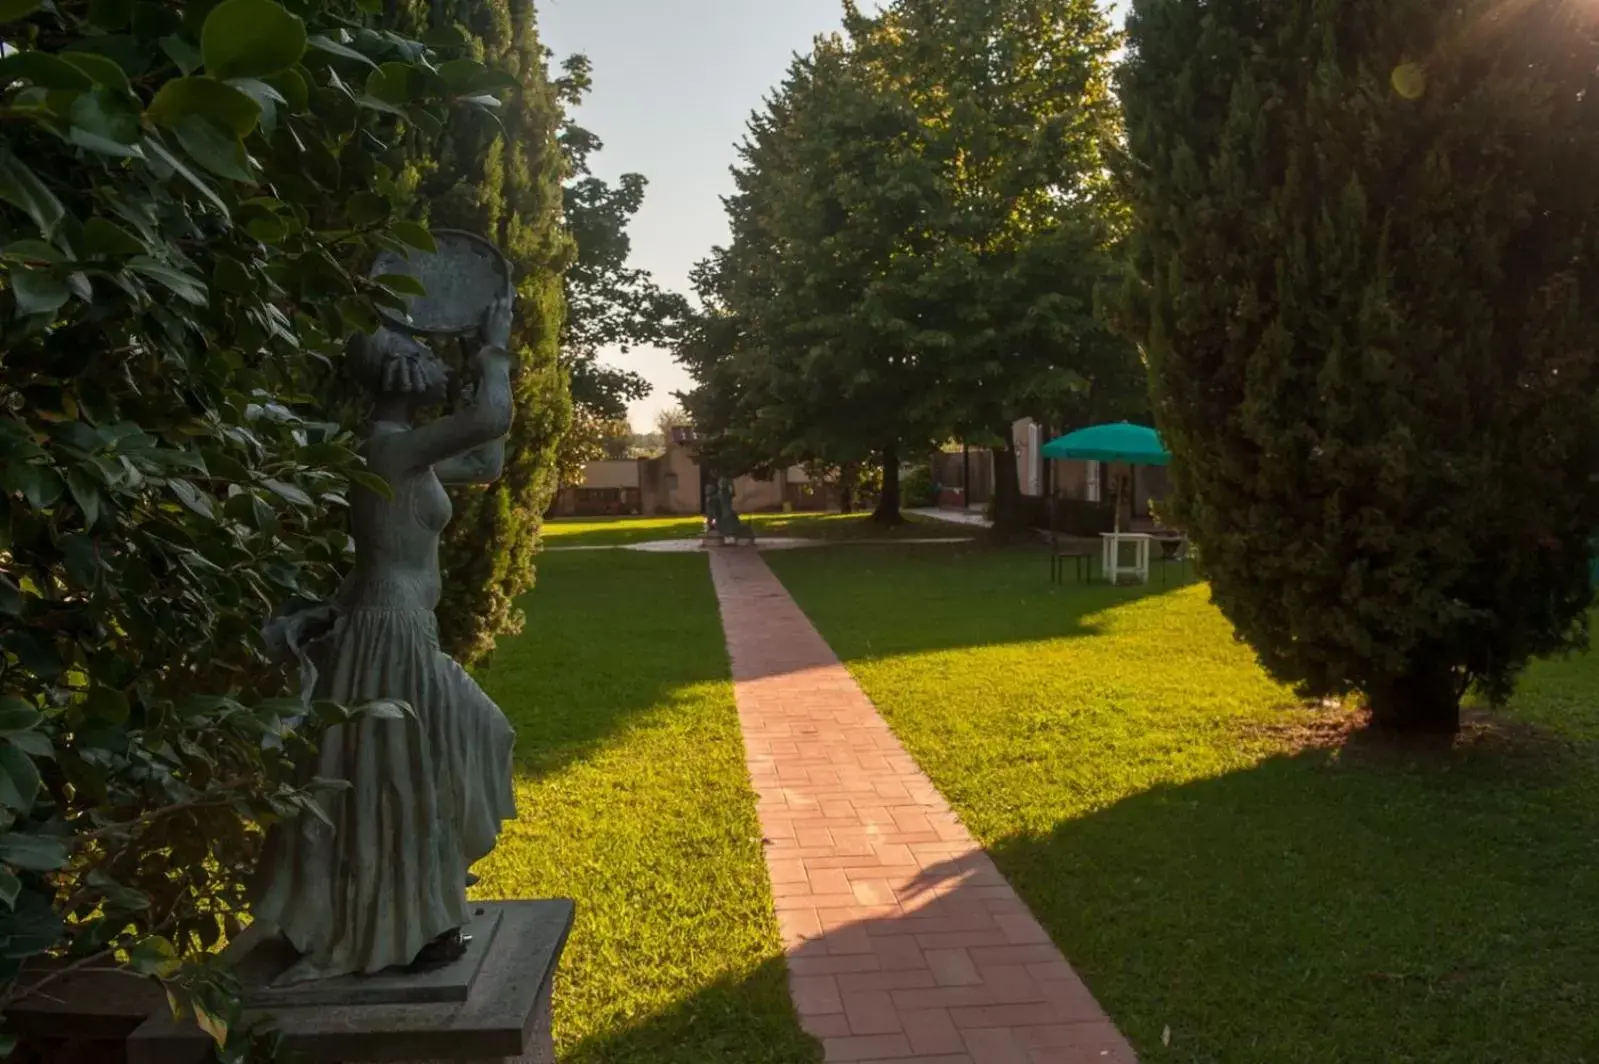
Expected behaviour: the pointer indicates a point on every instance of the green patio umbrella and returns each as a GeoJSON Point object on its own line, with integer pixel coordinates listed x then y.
{"type": "Point", "coordinates": [1121, 442]}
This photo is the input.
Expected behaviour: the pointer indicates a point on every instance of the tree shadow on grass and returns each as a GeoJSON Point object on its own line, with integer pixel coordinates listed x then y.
{"type": "Point", "coordinates": [858, 528]}
{"type": "Point", "coordinates": [955, 966]}
{"type": "Point", "coordinates": [775, 631]}
{"type": "Point", "coordinates": [611, 638]}
{"type": "Point", "coordinates": [744, 1019]}
{"type": "Point", "coordinates": [1340, 905]}
{"type": "Point", "coordinates": [951, 598]}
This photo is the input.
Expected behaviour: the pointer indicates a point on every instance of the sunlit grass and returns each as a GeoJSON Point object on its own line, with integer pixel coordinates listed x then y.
{"type": "Point", "coordinates": [635, 802]}
{"type": "Point", "coordinates": [989, 667]}
{"type": "Point", "coordinates": [1125, 760]}
{"type": "Point", "coordinates": [853, 527]}
{"type": "Point", "coordinates": [568, 532]}
{"type": "Point", "coordinates": [618, 531]}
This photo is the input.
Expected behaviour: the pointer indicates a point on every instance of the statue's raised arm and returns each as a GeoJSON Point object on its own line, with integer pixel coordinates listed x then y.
{"type": "Point", "coordinates": [466, 445]}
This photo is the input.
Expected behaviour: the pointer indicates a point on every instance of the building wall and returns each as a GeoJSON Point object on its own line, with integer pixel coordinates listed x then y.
{"type": "Point", "coordinates": [971, 471]}
{"type": "Point", "coordinates": [612, 473]}
{"type": "Point", "coordinates": [651, 472]}
{"type": "Point", "coordinates": [670, 484]}
{"type": "Point", "coordinates": [1027, 440]}
{"type": "Point", "coordinates": [1074, 480]}
{"type": "Point", "coordinates": [754, 495]}
{"type": "Point", "coordinates": [674, 482]}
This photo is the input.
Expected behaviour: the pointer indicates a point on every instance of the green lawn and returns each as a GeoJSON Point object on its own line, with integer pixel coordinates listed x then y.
{"type": "Point", "coordinates": [855, 527]}
{"type": "Point", "coordinates": [618, 531]}
{"type": "Point", "coordinates": [625, 531]}
{"type": "Point", "coordinates": [1127, 763]}
{"type": "Point", "coordinates": [635, 802]}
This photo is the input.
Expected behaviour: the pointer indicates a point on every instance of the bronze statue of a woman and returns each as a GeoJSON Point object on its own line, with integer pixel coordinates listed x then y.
{"type": "Point", "coordinates": [426, 792]}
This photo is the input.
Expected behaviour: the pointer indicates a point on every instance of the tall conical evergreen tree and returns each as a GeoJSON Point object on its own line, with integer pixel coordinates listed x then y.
{"type": "Point", "coordinates": [506, 186]}
{"type": "Point", "coordinates": [1366, 235]}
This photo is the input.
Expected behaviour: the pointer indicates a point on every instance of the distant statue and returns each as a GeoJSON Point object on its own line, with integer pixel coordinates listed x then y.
{"type": "Point", "coordinates": [711, 503]}
{"type": "Point", "coordinates": [427, 792]}
{"type": "Point", "coordinates": [729, 524]}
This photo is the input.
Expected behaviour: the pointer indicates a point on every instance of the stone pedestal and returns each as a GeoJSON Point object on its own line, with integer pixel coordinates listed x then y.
{"type": "Point", "coordinates": [492, 1007]}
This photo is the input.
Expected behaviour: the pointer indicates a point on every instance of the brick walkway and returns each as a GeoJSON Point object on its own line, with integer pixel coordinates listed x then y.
{"type": "Point", "coordinates": [904, 942]}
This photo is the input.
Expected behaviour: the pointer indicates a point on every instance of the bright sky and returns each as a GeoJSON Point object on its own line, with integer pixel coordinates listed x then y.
{"type": "Point", "coordinates": [674, 83]}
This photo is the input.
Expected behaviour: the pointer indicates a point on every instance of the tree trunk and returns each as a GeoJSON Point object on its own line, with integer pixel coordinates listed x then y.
{"type": "Point", "coordinates": [888, 502]}
{"type": "Point", "coordinates": [1424, 701]}
{"type": "Point", "coordinates": [1010, 513]}
{"type": "Point", "coordinates": [849, 476]}
{"type": "Point", "coordinates": [966, 475]}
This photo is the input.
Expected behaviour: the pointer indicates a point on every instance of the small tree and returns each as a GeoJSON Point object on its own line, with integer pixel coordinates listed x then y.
{"type": "Point", "coordinates": [1365, 242]}
{"type": "Point", "coordinates": [609, 302]}
{"type": "Point", "coordinates": [671, 419]}
{"type": "Point", "coordinates": [617, 439]}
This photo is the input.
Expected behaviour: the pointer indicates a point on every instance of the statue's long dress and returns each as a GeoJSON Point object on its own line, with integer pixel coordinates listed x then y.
{"type": "Point", "coordinates": [428, 794]}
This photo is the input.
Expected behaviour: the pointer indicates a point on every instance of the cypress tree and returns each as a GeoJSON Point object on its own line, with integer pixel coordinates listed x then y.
{"type": "Point", "coordinates": [1366, 236]}
{"type": "Point", "coordinates": [503, 182]}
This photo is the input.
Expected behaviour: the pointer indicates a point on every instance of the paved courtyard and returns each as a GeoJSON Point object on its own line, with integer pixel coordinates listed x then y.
{"type": "Point", "coordinates": [904, 942]}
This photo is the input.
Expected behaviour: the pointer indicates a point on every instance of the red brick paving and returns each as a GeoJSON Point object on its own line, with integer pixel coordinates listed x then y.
{"type": "Point", "coordinates": [904, 942]}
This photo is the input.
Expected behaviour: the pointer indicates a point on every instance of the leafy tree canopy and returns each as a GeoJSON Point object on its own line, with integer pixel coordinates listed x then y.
{"type": "Point", "coordinates": [1014, 98]}
{"type": "Point", "coordinates": [805, 352]}
{"type": "Point", "coordinates": [923, 219]}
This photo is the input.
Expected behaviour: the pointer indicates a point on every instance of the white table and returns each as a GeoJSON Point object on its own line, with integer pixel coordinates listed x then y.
{"type": "Point", "coordinates": [1110, 559]}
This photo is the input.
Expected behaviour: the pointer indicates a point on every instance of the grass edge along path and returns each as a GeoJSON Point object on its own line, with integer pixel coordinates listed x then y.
{"type": "Point", "coordinates": [1229, 895]}
{"type": "Point", "coordinates": [635, 801]}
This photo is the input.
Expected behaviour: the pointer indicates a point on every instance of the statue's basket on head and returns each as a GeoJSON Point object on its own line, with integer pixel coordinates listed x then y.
{"type": "Point", "coordinates": [463, 277]}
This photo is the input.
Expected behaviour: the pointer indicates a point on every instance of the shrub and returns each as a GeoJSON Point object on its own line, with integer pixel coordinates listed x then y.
{"type": "Point", "coordinates": [916, 487]}
{"type": "Point", "coordinates": [187, 196]}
